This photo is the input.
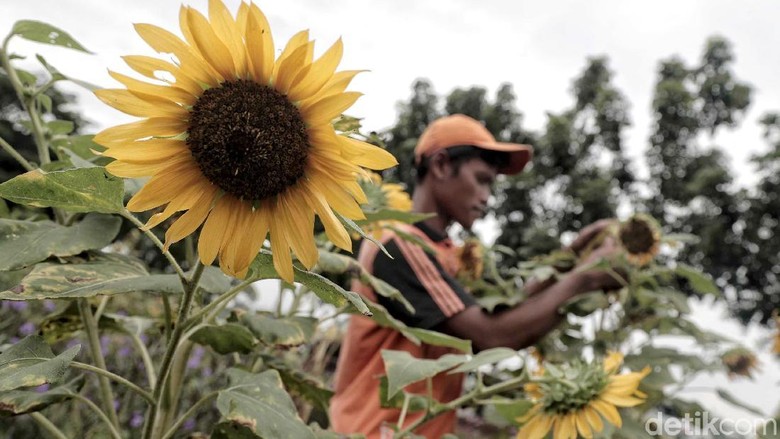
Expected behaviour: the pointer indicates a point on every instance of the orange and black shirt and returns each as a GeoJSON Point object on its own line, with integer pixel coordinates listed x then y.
{"type": "Point", "coordinates": [428, 282]}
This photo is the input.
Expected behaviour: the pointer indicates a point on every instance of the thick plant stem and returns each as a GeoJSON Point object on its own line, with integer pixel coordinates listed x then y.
{"type": "Point", "coordinates": [152, 428]}
{"type": "Point", "coordinates": [47, 425]}
{"type": "Point", "coordinates": [91, 329]}
{"type": "Point", "coordinates": [170, 397]}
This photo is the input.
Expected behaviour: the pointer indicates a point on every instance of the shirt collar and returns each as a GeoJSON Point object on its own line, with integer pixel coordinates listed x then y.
{"type": "Point", "coordinates": [433, 234]}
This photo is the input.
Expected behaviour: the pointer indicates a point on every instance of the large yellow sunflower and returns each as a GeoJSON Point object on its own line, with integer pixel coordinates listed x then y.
{"type": "Point", "coordinates": [640, 236]}
{"type": "Point", "coordinates": [576, 406]}
{"type": "Point", "coordinates": [240, 141]}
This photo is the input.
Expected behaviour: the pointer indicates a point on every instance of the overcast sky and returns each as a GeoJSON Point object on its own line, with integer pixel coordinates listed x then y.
{"type": "Point", "coordinates": [538, 46]}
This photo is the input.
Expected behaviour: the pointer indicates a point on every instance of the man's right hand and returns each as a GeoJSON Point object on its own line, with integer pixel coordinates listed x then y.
{"type": "Point", "coordinates": [596, 278]}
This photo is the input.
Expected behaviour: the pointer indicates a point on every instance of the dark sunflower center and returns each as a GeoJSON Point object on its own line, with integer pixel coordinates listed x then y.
{"type": "Point", "coordinates": [248, 139]}
{"type": "Point", "coordinates": [637, 236]}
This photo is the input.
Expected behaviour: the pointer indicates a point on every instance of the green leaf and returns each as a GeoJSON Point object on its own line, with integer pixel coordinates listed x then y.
{"type": "Point", "coordinates": [585, 304]}
{"type": "Point", "coordinates": [29, 80]}
{"type": "Point", "coordinates": [490, 356]}
{"type": "Point", "coordinates": [225, 339]}
{"type": "Point", "coordinates": [440, 339]}
{"type": "Point", "coordinates": [103, 275]}
{"type": "Point", "coordinates": [404, 369]}
{"type": "Point", "coordinates": [351, 225]}
{"type": "Point", "coordinates": [416, 402]}
{"type": "Point", "coordinates": [55, 74]}
{"type": "Point", "coordinates": [334, 263]}
{"type": "Point", "coordinates": [700, 282]}
{"type": "Point", "coordinates": [262, 268]}
{"type": "Point", "coordinates": [60, 127]}
{"type": "Point", "coordinates": [24, 242]}
{"type": "Point", "coordinates": [31, 362]}
{"type": "Point", "coordinates": [272, 331]}
{"type": "Point", "coordinates": [510, 410]}
{"type": "Point", "coordinates": [45, 33]}
{"type": "Point", "coordinates": [393, 215]}
{"type": "Point", "coordinates": [44, 101]}
{"type": "Point", "coordinates": [76, 190]}
{"type": "Point", "coordinates": [300, 383]}
{"type": "Point", "coordinates": [18, 402]}
{"type": "Point", "coordinates": [728, 397]}
{"type": "Point", "coordinates": [260, 403]}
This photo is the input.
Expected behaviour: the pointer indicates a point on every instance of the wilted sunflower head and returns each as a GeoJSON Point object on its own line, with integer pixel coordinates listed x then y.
{"type": "Point", "coordinates": [239, 140]}
{"type": "Point", "coordinates": [740, 362]}
{"type": "Point", "coordinates": [470, 257]}
{"type": "Point", "coordinates": [640, 236]}
{"type": "Point", "coordinates": [382, 196]}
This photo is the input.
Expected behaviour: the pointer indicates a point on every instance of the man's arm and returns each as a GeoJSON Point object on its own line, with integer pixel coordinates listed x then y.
{"type": "Point", "coordinates": [524, 324]}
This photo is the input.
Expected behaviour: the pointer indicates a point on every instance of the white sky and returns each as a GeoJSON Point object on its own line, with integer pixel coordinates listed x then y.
{"type": "Point", "coordinates": [538, 46]}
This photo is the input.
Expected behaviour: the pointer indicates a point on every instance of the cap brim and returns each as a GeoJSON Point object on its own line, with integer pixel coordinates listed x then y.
{"type": "Point", "coordinates": [519, 155]}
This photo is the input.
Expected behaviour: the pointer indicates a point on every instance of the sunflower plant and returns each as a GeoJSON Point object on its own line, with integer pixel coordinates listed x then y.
{"type": "Point", "coordinates": [137, 247]}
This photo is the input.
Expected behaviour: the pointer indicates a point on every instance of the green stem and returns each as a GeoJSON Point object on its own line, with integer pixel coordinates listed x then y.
{"type": "Point", "coordinates": [147, 360]}
{"type": "Point", "coordinates": [101, 307]}
{"type": "Point", "coordinates": [114, 377]}
{"type": "Point", "coordinates": [169, 434]}
{"type": "Point", "coordinates": [171, 394]}
{"type": "Point", "coordinates": [37, 131]}
{"type": "Point", "coordinates": [112, 428]}
{"type": "Point", "coordinates": [167, 315]}
{"type": "Point", "coordinates": [174, 263]}
{"type": "Point", "coordinates": [190, 286]}
{"type": "Point", "coordinates": [47, 425]}
{"type": "Point", "coordinates": [18, 157]}
{"type": "Point", "coordinates": [91, 329]}
{"type": "Point", "coordinates": [216, 306]}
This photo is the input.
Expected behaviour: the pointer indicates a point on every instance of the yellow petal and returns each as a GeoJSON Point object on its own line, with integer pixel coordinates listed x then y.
{"type": "Point", "coordinates": [613, 361]}
{"type": "Point", "coordinates": [254, 236]}
{"type": "Point", "coordinates": [298, 220]}
{"type": "Point", "coordinates": [367, 155]}
{"type": "Point", "coordinates": [335, 85]}
{"type": "Point", "coordinates": [297, 40]}
{"type": "Point", "coordinates": [155, 126]}
{"type": "Point", "coordinates": [328, 108]}
{"type": "Point", "coordinates": [259, 45]}
{"type": "Point", "coordinates": [335, 231]}
{"type": "Point", "coordinates": [318, 75]}
{"type": "Point", "coordinates": [281, 251]}
{"type": "Point", "coordinates": [209, 45]}
{"type": "Point", "coordinates": [191, 62]}
{"type": "Point", "coordinates": [191, 219]}
{"type": "Point", "coordinates": [184, 201]}
{"type": "Point", "coordinates": [609, 412]}
{"type": "Point", "coordinates": [233, 233]}
{"type": "Point", "coordinates": [537, 427]}
{"type": "Point", "coordinates": [166, 185]}
{"type": "Point", "coordinates": [337, 167]}
{"type": "Point", "coordinates": [620, 400]}
{"type": "Point", "coordinates": [564, 427]}
{"type": "Point", "coordinates": [148, 151]}
{"type": "Point", "coordinates": [142, 105]}
{"type": "Point", "coordinates": [593, 418]}
{"type": "Point", "coordinates": [172, 93]}
{"type": "Point", "coordinates": [340, 200]}
{"type": "Point", "coordinates": [213, 231]}
{"type": "Point", "coordinates": [227, 31]}
{"type": "Point", "coordinates": [241, 17]}
{"type": "Point", "coordinates": [289, 68]}
{"type": "Point", "coordinates": [135, 170]}
{"type": "Point", "coordinates": [583, 426]}
{"type": "Point", "coordinates": [148, 66]}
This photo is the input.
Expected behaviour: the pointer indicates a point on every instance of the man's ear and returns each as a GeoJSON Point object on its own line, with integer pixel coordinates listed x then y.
{"type": "Point", "coordinates": [439, 165]}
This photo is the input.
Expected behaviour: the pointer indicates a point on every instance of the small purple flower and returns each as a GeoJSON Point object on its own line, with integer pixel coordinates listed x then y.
{"type": "Point", "coordinates": [49, 305]}
{"type": "Point", "coordinates": [144, 339]}
{"type": "Point", "coordinates": [28, 328]}
{"type": "Point", "coordinates": [137, 420]}
{"type": "Point", "coordinates": [42, 388]}
{"type": "Point", "coordinates": [13, 340]}
{"type": "Point", "coordinates": [104, 341]}
{"type": "Point", "coordinates": [207, 372]}
{"type": "Point", "coordinates": [19, 305]}
{"type": "Point", "coordinates": [73, 342]}
{"type": "Point", "coordinates": [196, 357]}
{"type": "Point", "coordinates": [189, 424]}
{"type": "Point", "coordinates": [116, 404]}
{"type": "Point", "coordinates": [124, 352]}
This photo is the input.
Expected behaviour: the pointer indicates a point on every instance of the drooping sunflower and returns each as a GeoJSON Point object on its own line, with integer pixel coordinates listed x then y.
{"type": "Point", "coordinates": [239, 141]}
{"type": "Point", "coordinates": [573, 403]}
{"type": "Point", "coordinates": [382, 195]}
{"type": "Point", "coordinates": [640, 236]}
{"type": "Point", "coordinates": [740, 362]}
{"type": "Point", "coordinates": [470, 256]}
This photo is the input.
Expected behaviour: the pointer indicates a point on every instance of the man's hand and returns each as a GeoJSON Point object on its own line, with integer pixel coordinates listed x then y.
{"type": "Point", "coordinates": [597, 278]}
{"type": "Point", "coordinates": [589, 233]}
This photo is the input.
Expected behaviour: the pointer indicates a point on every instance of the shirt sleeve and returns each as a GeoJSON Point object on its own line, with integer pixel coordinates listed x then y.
{"type": "Point", "coordinates": [434, 294]}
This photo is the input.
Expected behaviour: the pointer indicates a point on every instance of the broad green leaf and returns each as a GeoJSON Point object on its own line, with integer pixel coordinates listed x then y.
{"type": "Point", "coordinates": [76, 190]}
{"type": "Point", "coordinates": [262, 268]}
{"type": "Point", "coordinates": [585, 304]}
{"type": "Point", "coordinates": [44, 101]}
{"type": "Point", "coordinates": [510, 410]}
{"type": "Point", "coordinates": [334, 263]}
{"type": "Point", "coordinates": [29, 80]}
{"type": "Point", "coordinates": [700, 282]}
{"type": "Point", "coordinates": [416, 402]}
{"type": "Point", "coordinates": [60, 127]}
{"type": "Point", "coordinates": [260, 403]}
{"type": "Point", "coordinates": [24, 242]}
{"type": "Point", "coordinates": [728, 397]}
{"type": "Point", "coordinates": [490, 356]}
{"type": "Point", "coordinates": [225, 339]}
{"type": "Point", "coordinates": [272, 331]}
{"type": "Point", "coordinates": [31, 362]}
{"type": "Point", "coordinates": [55, 74]}
{"type": "Point", "coordinates": [9, 279]}
{"type": "Point", "coordinates": [18, 402]}
{"type": "Point", "coordinates": [103, 275]}
{"type": "Point", "coordinates": [5, 212]}
{"type": "Point", "coordinates": [393, 215]}
{"type": "Point", "coordinates": [440, 339]}
{"type": "Point", "coordinates": [404, 369]}
{"type": "Point", "coordinates": [351, 225]}
{"type": "Point", "coordinates": [300, 383]}
{"type": "Point", "coordinates": [45, 33]}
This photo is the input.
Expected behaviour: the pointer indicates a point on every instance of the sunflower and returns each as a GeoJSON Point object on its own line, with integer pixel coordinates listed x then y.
{"type": "Point", "coordinates": [239, 141]}
{"type": "Point", "coordinates": [740, 362]}
{"type": "Point", "coordinates": [470, 256]}
{"type": "Point", "coordinates": [381, 196]}
{"type": "Point", "coordinates": [572, 401]}
{"type": "Point", "coordinates": [640, 236]}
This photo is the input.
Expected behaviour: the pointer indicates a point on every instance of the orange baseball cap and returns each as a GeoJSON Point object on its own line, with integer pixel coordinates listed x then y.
{"type": "Point", "coordinates": [461, 130]}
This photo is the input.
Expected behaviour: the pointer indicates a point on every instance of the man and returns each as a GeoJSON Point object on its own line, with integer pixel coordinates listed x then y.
{"type": "Point", "coordinates": [457, 162]}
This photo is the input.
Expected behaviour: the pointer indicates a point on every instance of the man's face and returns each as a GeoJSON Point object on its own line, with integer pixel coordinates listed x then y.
{"type": "Point", "coordinates": [463, 196]}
